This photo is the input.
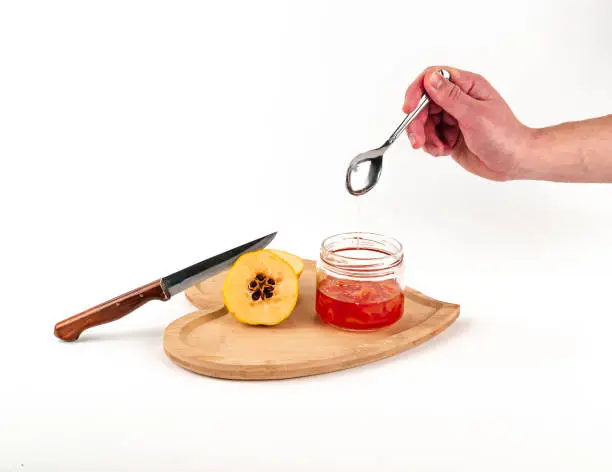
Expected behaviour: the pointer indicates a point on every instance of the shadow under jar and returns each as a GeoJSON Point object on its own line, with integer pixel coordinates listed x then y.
{"type": "Point", "coordinates": [359, 281]}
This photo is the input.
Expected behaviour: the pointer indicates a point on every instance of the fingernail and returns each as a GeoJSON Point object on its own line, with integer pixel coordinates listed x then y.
{"type": "Point", "coordinates": [411, 137]}
{"type": "Point", "coordinates": [437, 80]}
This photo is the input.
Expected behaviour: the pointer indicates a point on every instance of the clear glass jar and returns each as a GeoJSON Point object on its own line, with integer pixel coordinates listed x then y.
{"type": "Point", "coordinates": [359, 281]}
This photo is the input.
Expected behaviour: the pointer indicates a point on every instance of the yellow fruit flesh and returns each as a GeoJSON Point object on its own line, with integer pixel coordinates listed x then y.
{"type": "Point", "coordinates": [238, 298]}
{"type": "Point", "coordinates": [294, 261]}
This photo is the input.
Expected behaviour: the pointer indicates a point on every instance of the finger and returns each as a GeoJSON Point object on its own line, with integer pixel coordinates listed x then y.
{"type": "Point", "coordinates": [450, 97]}
{"type": "Point", "coordinates": [431, 135]}
{"type": "Point", "coordinates": [434, 108]}
{"type": "Point", "coordinates": [450, 135]}
{"type": "Point", "coordinates": [414, 93]}
{"type": "Point", "coordinates": [474, 85]}
{"type": "Point", "coordinates": [416, 130]}
{"type": "Point", "coordinates": [448, 119]}
{"type": "Point", "coordinates": [436, 151]}
{"type": "Point", "coordinates": [435, 145]}
{"type": "Point", "coordinates": [432, 150]}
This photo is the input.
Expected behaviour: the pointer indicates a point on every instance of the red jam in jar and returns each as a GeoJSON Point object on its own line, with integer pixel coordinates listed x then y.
{"type": "Point", "coordinates": [359, 281]}
{"type": "Point", "coordinates": [359, 305]}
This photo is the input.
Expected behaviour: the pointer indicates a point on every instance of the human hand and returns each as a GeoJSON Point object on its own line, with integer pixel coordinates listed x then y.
{"type": "Point", "coordinates": [469, 120]}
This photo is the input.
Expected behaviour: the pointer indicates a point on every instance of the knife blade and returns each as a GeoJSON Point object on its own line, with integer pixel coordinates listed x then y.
{"type": "Point", "coordinates": [163, 289]}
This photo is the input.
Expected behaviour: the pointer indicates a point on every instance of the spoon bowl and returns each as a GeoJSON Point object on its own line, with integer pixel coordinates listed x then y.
{"type": "Point", "coordinates": [364, 171]}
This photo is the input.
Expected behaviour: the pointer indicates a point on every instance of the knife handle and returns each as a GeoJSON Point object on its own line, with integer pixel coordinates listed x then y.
{"type": "Point", "coordinates": [71, 328]}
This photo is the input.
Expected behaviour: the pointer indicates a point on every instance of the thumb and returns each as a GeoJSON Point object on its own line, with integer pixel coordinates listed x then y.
{"type": "Point", "coordinates": [449, 96]}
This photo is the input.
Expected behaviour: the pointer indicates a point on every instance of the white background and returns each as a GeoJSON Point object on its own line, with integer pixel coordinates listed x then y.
{"type": "Point", "coordinates": [140, 137]}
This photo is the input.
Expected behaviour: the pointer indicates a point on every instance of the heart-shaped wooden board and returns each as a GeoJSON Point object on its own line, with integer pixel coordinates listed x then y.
{"type": "Point", "coordinates": [211, 342]}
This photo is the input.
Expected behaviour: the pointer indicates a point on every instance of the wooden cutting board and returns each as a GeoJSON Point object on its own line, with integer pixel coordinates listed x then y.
{"type": "Point", "coordinates": [211, 342]}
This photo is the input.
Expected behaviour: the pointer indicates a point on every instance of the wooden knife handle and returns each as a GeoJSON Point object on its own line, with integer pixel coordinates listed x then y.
{"type": "Point", "coordinates": [71, 328]}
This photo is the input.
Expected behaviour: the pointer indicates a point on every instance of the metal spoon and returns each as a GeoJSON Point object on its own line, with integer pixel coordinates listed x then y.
{"type": "Point", "coordinates": [364, 170]}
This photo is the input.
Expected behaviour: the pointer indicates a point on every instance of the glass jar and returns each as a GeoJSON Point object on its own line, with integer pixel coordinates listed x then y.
{"type": "Point", "coordinates": [359, 281]}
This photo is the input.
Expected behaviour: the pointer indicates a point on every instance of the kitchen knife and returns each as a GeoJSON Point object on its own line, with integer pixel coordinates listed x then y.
{"type": "Point", "coordinates": [162, 289]}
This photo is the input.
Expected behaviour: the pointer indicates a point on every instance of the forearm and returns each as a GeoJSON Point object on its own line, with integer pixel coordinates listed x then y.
{"type": "Point", "coordinates": [570, 152]}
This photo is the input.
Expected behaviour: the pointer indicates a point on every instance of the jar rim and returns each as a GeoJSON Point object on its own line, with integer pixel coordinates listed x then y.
{"type": "Point", "coordinates": [379, 254]}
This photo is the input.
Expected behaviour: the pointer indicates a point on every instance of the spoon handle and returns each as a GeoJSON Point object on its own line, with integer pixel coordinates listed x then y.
{"type": "Point", "coordinates": [413, 114]}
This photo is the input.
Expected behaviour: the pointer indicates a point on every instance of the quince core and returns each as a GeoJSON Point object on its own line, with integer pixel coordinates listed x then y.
{"type": "Point", "coordinates": [261, 288]}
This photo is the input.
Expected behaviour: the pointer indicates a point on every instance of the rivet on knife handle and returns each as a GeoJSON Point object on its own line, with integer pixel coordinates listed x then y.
{"type": "Point", "coordinates": [71, 328]}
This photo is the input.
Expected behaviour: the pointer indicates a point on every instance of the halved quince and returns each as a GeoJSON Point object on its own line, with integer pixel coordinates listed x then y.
{"type": "Point", "coordinates": [261, 288]}
{"type": "Point", "coordinates": [294, 261]}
